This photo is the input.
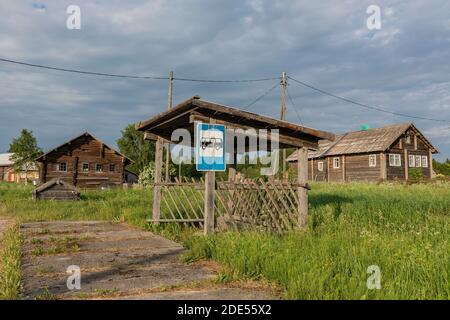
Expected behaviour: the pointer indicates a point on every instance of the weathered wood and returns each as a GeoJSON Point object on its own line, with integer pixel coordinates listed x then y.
{"type": "Point", "coordinates": [430, 163]}
{"type": "Point", "coordinates": [210, 177]}
{"type": "Point", "coordinates": [406, 163]}
{"type": "Point", "coordinates": [157, 189]}
{"type": "Point", "coordinates": [302, 177]}
{"type": "Point", "coordinates": [343, 168]}
{"type": "Point", "coordinates": [383, 168]}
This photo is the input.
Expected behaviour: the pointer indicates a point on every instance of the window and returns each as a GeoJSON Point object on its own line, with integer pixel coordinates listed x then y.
{"type": "Point", "coordinates": [395, 160]}
{"type": "Point", "coordinates": [418, 161]}
{"type": "Point", "coordinates": [98, 167]}
{"type": "Point", "coordinates": [320, 166]}
{"type": "Point", "coordinates": [408, 139]}
{"type": "Point", "coordinates": [85, 167]}
{"type": "Point", "coordinates": [425, 161]}
{"type": "Point", "coordinates": [336, 163]}
{"type": "Point", "coordinates": [112, 167]}
{"type": "Point", "coordinates": [412, 161]}
{"type": "Point", "coordinates": [62, 166]}
{"type": "Point", "coordinates": [372, 160]}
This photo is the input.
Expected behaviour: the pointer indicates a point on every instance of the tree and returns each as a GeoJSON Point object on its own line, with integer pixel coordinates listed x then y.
{"type": "Point", "coordinates": [25, 151]}
{"type": "Point", "coordinates": [442, 168]}
{"type": "Point", "coordinates": [133, 145]}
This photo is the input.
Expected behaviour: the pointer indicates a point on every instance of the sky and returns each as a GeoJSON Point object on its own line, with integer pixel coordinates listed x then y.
{"type": "Point", "coordinates": [402, 67]}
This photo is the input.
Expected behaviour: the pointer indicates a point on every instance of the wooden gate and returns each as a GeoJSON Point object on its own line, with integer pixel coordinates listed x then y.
{"type": "Point", "coordinates": [238, 205]}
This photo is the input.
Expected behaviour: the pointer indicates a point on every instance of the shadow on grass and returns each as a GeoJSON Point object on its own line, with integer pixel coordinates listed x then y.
{"type": "Point", "coordinates": [323, 199]}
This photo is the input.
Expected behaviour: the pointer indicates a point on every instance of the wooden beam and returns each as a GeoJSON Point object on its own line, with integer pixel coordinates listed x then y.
{"type": "Point", "coordinates": [343, 168]}
{"type": "Point", "coordinates": [415, 142]}
{"type": "Point", "coordinates": [328, 169]}
{"type": "Point", "coordinates": [302, 178]}
{"type": "Point", "coordinates": [210, 178]}
{"type": "Point", "coordinates": [430, 162]}
{"type": "Point", "coordinates": [383, 168]}
{"type": "Point", "coordinates": [157, 189]}
{"type": "Point", "coordinates": [406, 164]}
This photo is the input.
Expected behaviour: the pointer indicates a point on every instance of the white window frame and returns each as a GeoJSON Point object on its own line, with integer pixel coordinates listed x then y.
{"type": "Point", "coordinates": [411, 161]}
{"type": "Point", "coordinates": [320, 166]}
{"type": "Point", "coordinates": [82, 167]}
{"type": "Point", "coordinates": [372, 160]}
{"type": "Point", "coordinates": [424, 162]}
{"type": "Point", "coordinates": [395, 160]}
{"type": "Point", "coordinates": [336, 162]}
{"type": "Point", "coordinates": [418, 161]}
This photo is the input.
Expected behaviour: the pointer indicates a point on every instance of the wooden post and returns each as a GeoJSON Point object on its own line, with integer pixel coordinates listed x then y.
{"type": "Point", "coordinates": [283, 117]}
{"type": "Point", "coordinates": [328, 169]}
{"type": "Point", "coordinates": [210, 178]}
{"type": "Point", "coordinates": [383, 168]}
{"type": "Point", "coordinates": [406, 164]}
{"type": "Point", "coordinates": [169, 106]}
{"type": "Point", "coordinates": [430, 163]}
{"type": "Point", "coordinates": [343, 168]}
{"type": "Point", "coordinates": [302, 178]}
{"type": "Point", "coordinates": [157, 188]}
{"type": "Point", "coordinates": [232, 177]}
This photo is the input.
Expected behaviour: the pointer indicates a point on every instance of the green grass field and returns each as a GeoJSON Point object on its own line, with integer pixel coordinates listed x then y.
{"type": "Point", "coordinates": [404, 230]}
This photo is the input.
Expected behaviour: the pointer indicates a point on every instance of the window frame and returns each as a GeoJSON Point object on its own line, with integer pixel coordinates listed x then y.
{"type": "Point", "coordinates": [372, 160]}
{"type": "Point", "coordinates": [320, 166]}
{"type": "Point", "coordinates": [97, 166]}
{"type": "Point", "coordinates": [418, 161]}
{"type": "Point", "coordinates": [412, 161]}
{"type": "Point", "coordinates": [58, 166]}
{"type": "Point", "coordinates": [338, 159]}
{"type": "Point", "coordinates": [408, 139]}
{"type": "Point", "coordinates": [395, 160]}
{"type": "Point", "coordinates": [113, 166]}
{"type": "Point", "coordinates": [424, 163]}
{"type": "Point", "coordinates": [82, 167]}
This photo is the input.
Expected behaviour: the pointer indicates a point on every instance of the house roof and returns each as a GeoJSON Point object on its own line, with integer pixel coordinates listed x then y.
{"type": "Point", "coordinates": [77, 137]}
{"type": "Point", "coordinates": [54, 181]}
{"type": "Point", "coordinates": [5, 160]}
{"type": "Point", "coordinates": [364, 141]}
{"type": "Point", "coordinates": [164, 123]}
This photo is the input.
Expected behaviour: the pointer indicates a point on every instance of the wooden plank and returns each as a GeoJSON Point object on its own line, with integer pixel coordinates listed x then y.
{"type": "Point", "coordinates": [174, 220]}
{"type": "Point", "coordinates": [430, 163]}
{"type": "Point", "coordinates": [383, 168]}
{"type": "Point", "coordinates": [157, 189]}
{"type": "Point", "coordinates": [210, 178]}
{"type": "Point", "coordinates": [302, 193]}
{"type": "Point", "coordinates": [406, 163]}
{"type": "Point", "coordinates": [343, 168]}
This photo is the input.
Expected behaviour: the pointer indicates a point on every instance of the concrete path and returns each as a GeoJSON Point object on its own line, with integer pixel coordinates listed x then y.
{"type": "Point", "coordinates": [116, 261]}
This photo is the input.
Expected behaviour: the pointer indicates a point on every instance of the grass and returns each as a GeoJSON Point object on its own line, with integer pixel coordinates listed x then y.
{"type": "Point", "coordinates": [405, 230]}
{"type": "Point", "coordinates": [10, 264]}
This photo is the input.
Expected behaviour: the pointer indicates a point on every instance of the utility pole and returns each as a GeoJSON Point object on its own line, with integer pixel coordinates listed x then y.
{"type": "Point", "coordinates": [283, 116]}
{"type": "Point", "coordinates": [169, 106]}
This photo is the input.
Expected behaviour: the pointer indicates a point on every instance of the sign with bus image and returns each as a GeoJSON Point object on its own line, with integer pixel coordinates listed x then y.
{"type": "Point", "coordinates": [210, 147]}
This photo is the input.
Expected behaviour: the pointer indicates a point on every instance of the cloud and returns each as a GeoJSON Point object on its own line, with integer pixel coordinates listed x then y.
{"type": "Point", "coordinates": [403, 67]}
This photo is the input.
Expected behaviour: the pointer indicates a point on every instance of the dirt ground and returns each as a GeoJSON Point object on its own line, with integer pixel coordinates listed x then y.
{"type": "Point", "coordinates": [117, 261]}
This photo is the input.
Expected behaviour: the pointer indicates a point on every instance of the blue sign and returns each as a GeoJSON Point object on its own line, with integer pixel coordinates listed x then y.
{"type": "Point", "coordinates": [210, 147]}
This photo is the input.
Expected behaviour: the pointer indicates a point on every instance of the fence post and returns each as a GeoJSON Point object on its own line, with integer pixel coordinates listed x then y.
{"type": "Point", "coordinates": [302, 178]}
{"type": "Point", "coordinates": [210, 178]}
{"type": "Point", "coordinates": [157, 188]}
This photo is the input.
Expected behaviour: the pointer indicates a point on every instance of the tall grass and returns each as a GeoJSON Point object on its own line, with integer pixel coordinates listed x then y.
{"type": "Point", "coordinates": [10, 263]}
{"type": "Point", "coordinates": [404, 230]}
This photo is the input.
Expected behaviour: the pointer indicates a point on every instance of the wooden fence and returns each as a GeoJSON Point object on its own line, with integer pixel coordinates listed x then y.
{"type": "Point", "coordinates": [238, 205]}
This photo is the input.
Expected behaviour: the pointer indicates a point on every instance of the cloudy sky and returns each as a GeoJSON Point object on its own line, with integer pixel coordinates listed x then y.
{"type": "Point", "coordinates": [403, 67]}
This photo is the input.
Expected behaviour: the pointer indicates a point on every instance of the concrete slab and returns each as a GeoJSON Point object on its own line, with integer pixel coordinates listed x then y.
{"type": "Point", "coordinates": [113, 258]}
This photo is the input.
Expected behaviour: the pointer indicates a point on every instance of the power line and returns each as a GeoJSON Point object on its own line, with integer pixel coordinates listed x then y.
{"type": "Point", "coordinates": [293, 106]}
{"type": "Point", "coordinates": [130, 76]}
{"type": "Point", "coordinates": [83, 72]}
{"type": "Point", "coordinates": [261, 96]}
{"type": "Point", "coordinates": [365, 105]}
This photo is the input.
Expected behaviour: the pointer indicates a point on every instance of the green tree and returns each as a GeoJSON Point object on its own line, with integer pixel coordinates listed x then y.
{"type": "Point", "coordinates": [133, 145]}
{"type": "Point", "coordinates": [25, 151]}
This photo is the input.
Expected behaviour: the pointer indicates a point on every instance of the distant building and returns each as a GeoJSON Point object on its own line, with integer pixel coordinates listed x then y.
{"type": "Point", "coordinates": [387, 153]}
{"type": "Point", "coordinates": [8, 174]}
{"type": "Point", "coordinates": [85, 162]}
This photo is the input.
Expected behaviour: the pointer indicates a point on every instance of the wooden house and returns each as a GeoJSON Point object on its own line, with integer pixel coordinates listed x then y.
{"type": "Point", "coordinates": [388, 153]}
{"type": "Point", "coordinates": [85, 162]}
{"type": "Point", "coordinates": [8, 174]}
{"type": "Point", "coordinates": [56, 189]}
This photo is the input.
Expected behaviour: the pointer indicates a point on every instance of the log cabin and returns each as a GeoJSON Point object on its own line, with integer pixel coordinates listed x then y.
{"type": "Point", "coordinates": [388, 153]}
{"type": "Point", "coordinates": [85, 162]}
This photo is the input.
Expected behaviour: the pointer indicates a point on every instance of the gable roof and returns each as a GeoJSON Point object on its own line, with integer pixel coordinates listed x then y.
{"type": "Point", "coordinates": [364, 141]}
{"type": "Point", "coordinates": [5, 160]}
{"type": "Point", "coordinates": [77, 137]}
{"type": "Point", "coordinates": [164, 123]}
